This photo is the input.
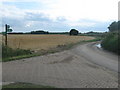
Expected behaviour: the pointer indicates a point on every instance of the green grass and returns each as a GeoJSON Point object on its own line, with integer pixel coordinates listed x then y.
{"type": "Point", "coordinates": [25, 85]}
{"type": "Point", "coordinates": [17, 57]}
{"type": "Point", "coordinates": [111, 42]}
{"type": "Point", "coordinates": [11, 54]}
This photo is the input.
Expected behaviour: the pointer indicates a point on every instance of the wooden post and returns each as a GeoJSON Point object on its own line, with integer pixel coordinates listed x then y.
{"type": "Point", "coordinates": [6, 34]}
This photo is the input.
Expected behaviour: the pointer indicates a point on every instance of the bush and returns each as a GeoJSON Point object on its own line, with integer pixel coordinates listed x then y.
{"type": "Point", "coordinates": [73, 32]}
{"type": "Point", "coordinates": [111, 42]}
{"type": "Point", "coordinates": [9, 52]}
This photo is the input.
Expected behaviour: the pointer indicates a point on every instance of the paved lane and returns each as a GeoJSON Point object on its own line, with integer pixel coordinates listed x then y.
{"type": "Point", "coordinates": [98, 56]}
{"type": "Point", "coordinates": [73, 68]}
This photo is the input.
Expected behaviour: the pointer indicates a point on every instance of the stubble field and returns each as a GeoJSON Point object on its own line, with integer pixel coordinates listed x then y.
{"type": "Point", "coordinates": [38, 42]}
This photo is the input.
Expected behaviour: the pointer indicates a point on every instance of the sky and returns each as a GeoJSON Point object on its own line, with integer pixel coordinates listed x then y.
{"type": "Point", "coordinates": [58, 15]}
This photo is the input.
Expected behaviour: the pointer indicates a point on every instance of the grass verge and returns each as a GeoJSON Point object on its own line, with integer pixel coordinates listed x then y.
{"type": "Point", "coordinates": [44, 52]}
{"type": "Point", "coordinates": [24, 85]}
{"type": "Point", "coordinates": [111, 42]}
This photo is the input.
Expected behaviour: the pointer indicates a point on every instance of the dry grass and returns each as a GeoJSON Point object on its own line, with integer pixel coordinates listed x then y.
{"type": "Point", "coordinates": [38, 42]}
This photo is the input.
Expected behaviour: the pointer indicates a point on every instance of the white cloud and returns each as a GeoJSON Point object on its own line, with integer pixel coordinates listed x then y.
{"type": "Point", "coordinates": [83, 24]}
{"type": "Point", "coordinates": [61, 13]}
{"type": "Point", "coordinates": [102, 10]}
{"type": "Point", "coordinates": [29, 24]}
{"type": "Point", "coordinates": [11, 11]}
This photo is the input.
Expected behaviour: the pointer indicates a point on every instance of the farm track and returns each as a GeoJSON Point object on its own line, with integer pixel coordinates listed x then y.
{"type": "Point", "coordinates": [75, 68]}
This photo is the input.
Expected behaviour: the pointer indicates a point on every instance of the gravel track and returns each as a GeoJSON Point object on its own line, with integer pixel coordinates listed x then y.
{"type": "Point", "coordinates": [83, 66]}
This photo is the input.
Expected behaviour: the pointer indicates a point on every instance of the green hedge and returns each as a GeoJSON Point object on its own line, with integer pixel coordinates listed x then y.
{"type": "Point", "coordinates": [111, 42]}
{"type": "Point", "coordinates": [9, 52]}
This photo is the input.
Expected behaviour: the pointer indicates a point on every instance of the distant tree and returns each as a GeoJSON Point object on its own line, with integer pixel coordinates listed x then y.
{"type": "Point", "coordinates": [39, 32]}
{"type": "Point", "coordinates": [114, 26]}
{"type": "Point", "coordinates": [73, 32]}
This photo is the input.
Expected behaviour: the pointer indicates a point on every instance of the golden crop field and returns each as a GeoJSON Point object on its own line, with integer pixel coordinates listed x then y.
{"type": "Point", "coordinates": [38, 42]}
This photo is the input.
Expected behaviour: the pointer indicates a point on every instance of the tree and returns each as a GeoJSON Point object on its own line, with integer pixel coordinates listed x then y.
{"type": "Point", "coordinates": [39, 32]}
{"type": "Point", "coordinates": [114, 26]}
{"type": "Point", "coordinates": [73, 32]}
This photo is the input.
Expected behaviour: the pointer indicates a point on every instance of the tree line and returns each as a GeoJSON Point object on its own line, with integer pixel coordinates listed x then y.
{"type": "Point", "coordinates": [71, 32]}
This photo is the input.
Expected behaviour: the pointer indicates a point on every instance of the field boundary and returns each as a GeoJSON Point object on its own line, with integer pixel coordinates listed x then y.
{"type": "Point", "coordinates": [59, 48]}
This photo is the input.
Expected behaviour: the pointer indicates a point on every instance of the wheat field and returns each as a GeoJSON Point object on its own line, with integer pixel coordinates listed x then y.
{"type": "Point", "coordinates": [38, 42]}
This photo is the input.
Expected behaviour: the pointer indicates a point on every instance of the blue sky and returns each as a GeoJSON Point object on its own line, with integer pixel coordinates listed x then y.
{"type": "Point", "coordinates": [59, 15]}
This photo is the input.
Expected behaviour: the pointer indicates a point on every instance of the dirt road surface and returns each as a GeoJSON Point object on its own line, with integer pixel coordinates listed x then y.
{"type": "Point", "coordinates": [84, 66]}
